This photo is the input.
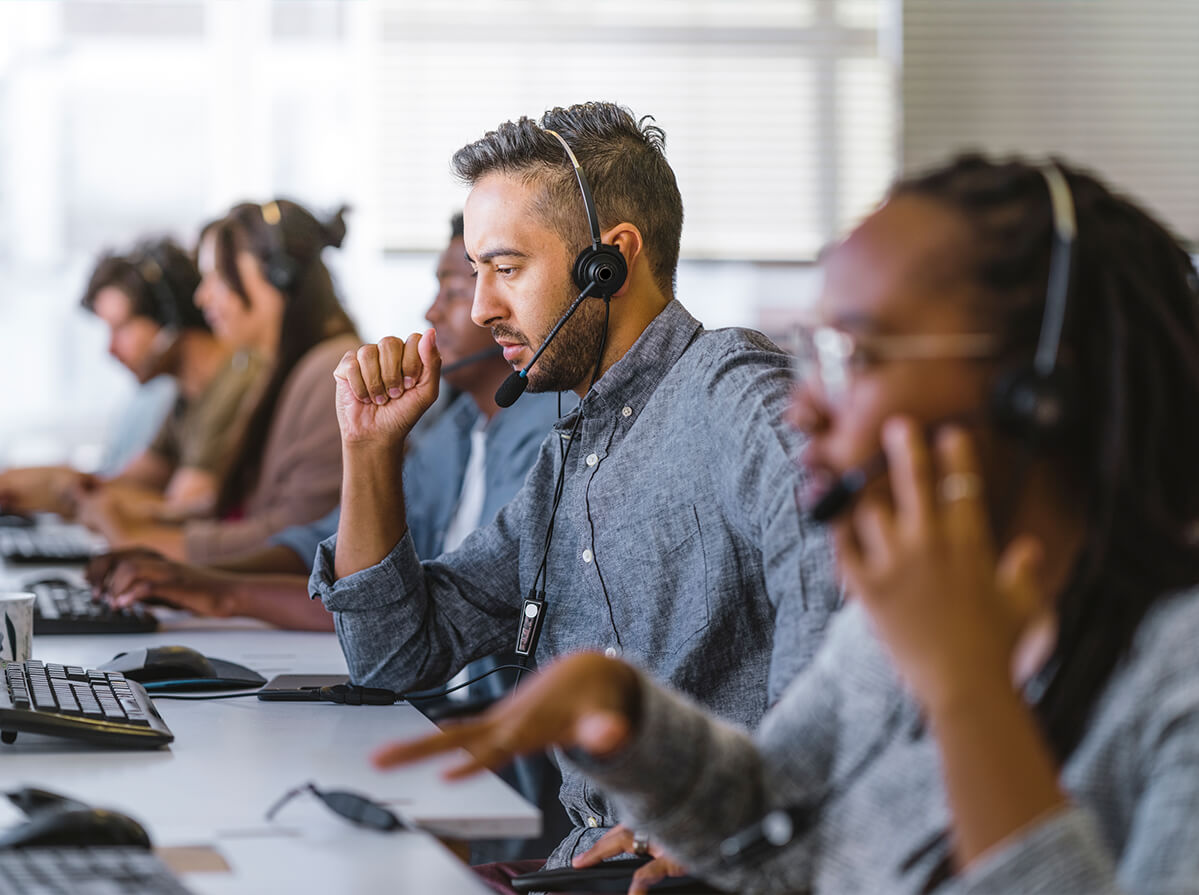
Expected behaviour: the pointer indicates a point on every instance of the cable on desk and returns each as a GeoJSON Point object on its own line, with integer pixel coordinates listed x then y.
{"type": "Point", "coordinates": [198, 698]}
{"type": "Point", "coordinates": [440, 693]}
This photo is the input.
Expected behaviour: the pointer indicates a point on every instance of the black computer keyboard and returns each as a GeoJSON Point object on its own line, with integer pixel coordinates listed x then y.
{"type": "Point", "coordinates": [101, 707]}
{"type": "Point", "coordinates": [65, 608]}
{"type": "Point", "coordinates": [45, 545]}
{"type": "Point", "coordinates": [81, 870]}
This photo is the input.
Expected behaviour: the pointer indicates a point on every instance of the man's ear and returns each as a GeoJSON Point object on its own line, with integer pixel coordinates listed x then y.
{"type": "Point", "coordinates": [627, 238]}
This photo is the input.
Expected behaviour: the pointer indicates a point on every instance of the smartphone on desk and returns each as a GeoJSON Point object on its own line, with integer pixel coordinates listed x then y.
{"type": "Point", "coordinates": [298, 687]}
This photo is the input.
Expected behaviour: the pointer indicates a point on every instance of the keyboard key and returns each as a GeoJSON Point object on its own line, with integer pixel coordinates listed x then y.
{"type": "Point", "coordinates": [69, 608]}
{"type": "Point", "coordinates": [94, 871]}
{"type": "Point", "coordinates": [77, 702]}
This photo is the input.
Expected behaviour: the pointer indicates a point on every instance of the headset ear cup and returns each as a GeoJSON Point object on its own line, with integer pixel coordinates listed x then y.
{"type": "Point", "coordinates": [281, 272]}
{"type": "Point", "coordinates": [1032, 407]}
{"type": "Point", "coordinates": [604, 266]}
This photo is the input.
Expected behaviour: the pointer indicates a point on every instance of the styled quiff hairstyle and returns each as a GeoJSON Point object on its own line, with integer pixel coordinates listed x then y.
{"type": "Point", "coordinates": [625, 163]}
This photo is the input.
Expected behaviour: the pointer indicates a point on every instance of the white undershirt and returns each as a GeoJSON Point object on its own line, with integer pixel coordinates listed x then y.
{"type": "Point", "coordinates": [466, 516]}
{"type": "Point", "coordinates": [473, 493]}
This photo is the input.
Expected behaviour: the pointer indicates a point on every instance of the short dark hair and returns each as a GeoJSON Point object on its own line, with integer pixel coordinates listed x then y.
{"type": "Point", "coordinates": [457, 227]}
{"type": "Point", "coordinates": [158, 277]}
{"type": "Point", "coordinates": [625, 163]}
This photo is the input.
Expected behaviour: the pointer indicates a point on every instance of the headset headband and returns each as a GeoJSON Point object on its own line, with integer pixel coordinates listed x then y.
{"type": "Point", "coordinates": [152, 268]}
{"type": "Point", "coordinates": [1065, 228]}
{"type": "Point", "coordinates": [588, 201]}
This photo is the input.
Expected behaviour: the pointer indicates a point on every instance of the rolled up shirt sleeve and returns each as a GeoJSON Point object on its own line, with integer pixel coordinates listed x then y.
{"type": "Point", "coordinates": [407, 624]}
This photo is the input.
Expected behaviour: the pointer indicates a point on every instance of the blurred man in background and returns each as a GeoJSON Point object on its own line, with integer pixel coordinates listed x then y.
{"type": "Point", "coordinates": [155, 329]}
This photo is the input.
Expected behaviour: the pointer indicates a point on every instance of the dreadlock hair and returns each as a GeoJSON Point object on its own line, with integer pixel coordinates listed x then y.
{"type": "Point", "coordinates": [624, 159]}
{"type": "Point", "coordinates": [312, 312]}
{"type": "Point", "coordinates": [1131, 348]}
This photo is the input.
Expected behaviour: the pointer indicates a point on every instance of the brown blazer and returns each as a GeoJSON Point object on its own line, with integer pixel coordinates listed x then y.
{"type": "Point", "coordinates": [301, 468]}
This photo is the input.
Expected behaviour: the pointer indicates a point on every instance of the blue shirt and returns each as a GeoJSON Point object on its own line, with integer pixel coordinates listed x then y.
{"type": "Point", "coordinates": [436, 464]}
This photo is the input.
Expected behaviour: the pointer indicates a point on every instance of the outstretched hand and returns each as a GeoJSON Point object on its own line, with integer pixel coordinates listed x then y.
{"type": "Point", "coordinates": [585, 700]}
{"type": "Point", "coordinates": [925, 567]}
{"type": "Point", "coordinates": [383, 389]}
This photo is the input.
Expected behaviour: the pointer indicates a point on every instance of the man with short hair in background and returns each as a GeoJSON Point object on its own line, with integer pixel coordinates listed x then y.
{"type": "Point", "coordinates": [155, 329]}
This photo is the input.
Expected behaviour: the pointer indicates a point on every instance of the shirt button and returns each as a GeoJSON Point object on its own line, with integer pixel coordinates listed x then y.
{"type": "Point", "coordinates": [592, 822]}
{"type": "Point", "coordinates": [592, 459]}
{"type": "Point", "coordinates": [588, 555]}
{"type": "Point", "coordinates": [611, 652]}
{"type": "Point", "coordinates": [626, 412]}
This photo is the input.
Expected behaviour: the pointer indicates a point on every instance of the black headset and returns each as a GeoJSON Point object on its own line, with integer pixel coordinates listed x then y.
{"type": "Point", "coordinates": [599, 266]}
{"type": "Point", "coordinates": [281, 269]}
{"type": "Point", "coordinates": [1032, 402]}
{"type": "Point", "coordinates": [152, 266]}
{"type": "Point", "coordinates": [599, 270]}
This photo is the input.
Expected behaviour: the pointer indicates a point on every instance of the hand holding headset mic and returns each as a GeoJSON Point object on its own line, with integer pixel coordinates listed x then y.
{"type": "Point", "coordinates": [1029, 402]}
{"type": "Point", "coordinates": [599, 271]}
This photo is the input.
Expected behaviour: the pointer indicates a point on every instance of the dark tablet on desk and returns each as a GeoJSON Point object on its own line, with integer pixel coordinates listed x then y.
{"type": "Point", "coordinates": [298, 687]}
{"type": "Point", "coordinates": [610, 876]}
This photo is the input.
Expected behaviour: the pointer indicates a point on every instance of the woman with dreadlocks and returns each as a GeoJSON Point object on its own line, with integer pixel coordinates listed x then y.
{"type": "Point", "coordinates": [1005, 399]}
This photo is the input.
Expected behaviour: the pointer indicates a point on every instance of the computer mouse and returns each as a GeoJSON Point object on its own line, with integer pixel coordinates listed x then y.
{"type": "Point", "coordinates": [181, 668]}
{"type": "Point", "coordinates": [76, 826]}
{"type": "Point", "coordinates": [162, 663]}
{"type": "Point", "coordinates": [33, 801]}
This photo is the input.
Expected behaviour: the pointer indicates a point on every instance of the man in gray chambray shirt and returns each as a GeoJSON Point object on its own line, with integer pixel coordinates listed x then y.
{"type": "Point", "coordinates": [677, 541]}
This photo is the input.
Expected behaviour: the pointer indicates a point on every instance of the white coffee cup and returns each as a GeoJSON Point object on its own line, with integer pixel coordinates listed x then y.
{"type": "Point", "coordinates": [16, 626]}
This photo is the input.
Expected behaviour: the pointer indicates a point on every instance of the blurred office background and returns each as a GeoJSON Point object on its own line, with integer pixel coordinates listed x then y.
{"type": "Point", "coordinates": [785, 120]}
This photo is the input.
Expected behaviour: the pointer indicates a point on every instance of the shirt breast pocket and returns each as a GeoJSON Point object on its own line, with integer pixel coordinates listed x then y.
{"type": "Point", "coordinates": [663, 573]}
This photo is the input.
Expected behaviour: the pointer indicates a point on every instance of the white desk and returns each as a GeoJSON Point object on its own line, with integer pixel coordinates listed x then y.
{"type": "Point", "coordinates": [232, 758]}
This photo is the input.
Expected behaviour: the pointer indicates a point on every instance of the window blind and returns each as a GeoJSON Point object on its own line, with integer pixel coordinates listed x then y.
{"type": "Point", "coordinates": [1109, 84]}
{"type": "Point", "coordinates": [778, 113]}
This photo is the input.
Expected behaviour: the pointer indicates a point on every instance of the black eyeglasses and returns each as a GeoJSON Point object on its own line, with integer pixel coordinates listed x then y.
{"type": "Point", "coordinates": [353, 807]}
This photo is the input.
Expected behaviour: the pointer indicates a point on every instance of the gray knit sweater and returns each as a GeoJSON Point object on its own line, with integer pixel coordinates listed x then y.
{"type": "Point", "coordinates": [846, 736]}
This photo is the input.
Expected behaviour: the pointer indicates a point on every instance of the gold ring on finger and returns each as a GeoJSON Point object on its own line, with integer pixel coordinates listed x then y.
{"type": "Point", "coordinates": [960, 486]}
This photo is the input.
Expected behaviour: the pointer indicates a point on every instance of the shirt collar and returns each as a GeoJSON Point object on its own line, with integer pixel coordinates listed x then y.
{"type": "Point", "coordinates": [464, 412]}
{"type": "Point", "coordinates": [635, 376]}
